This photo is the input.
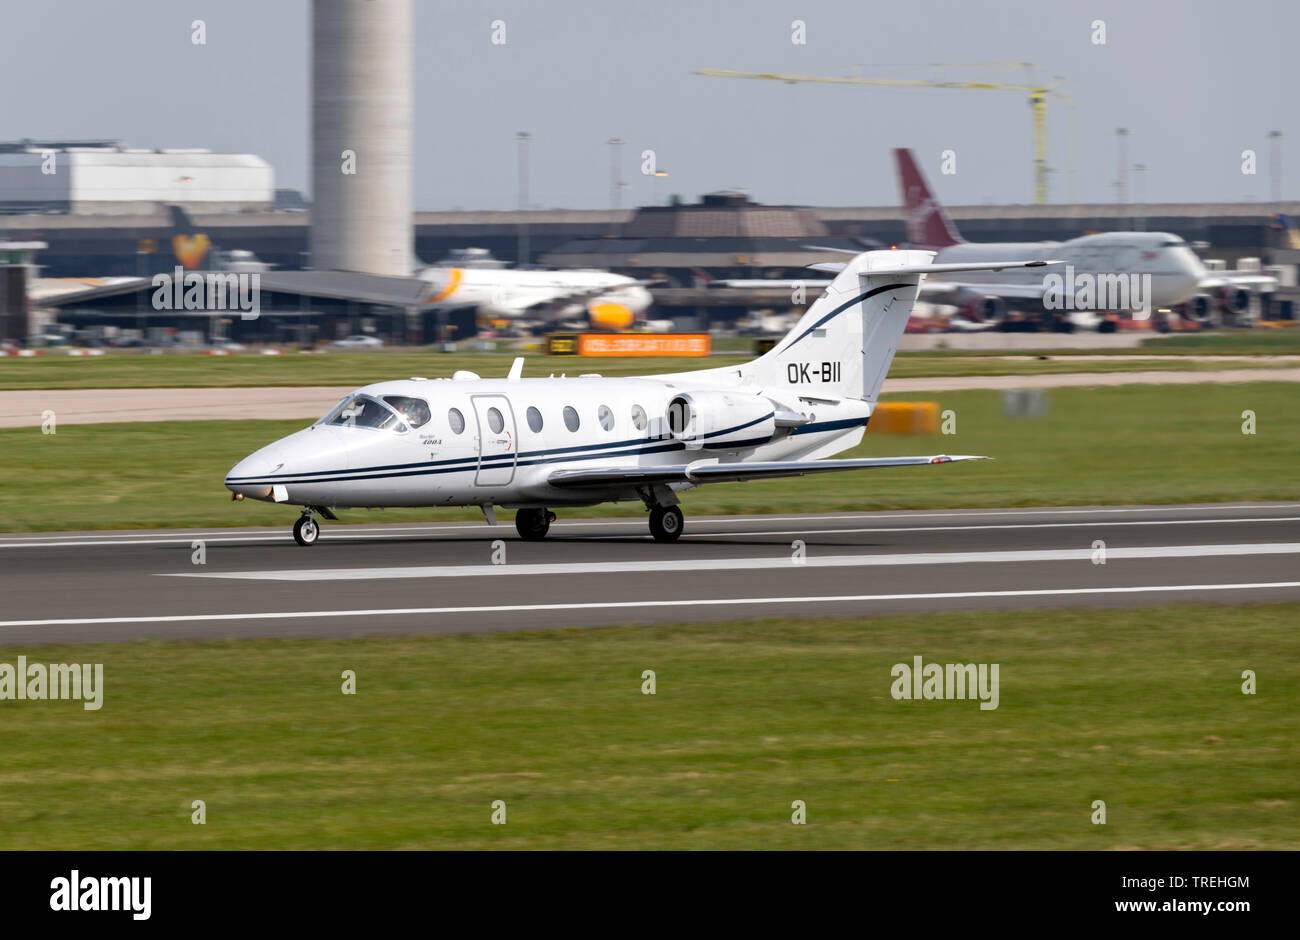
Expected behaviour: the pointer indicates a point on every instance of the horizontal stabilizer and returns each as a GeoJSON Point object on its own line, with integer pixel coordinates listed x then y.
{"type": "Point", "coordinates": [940, 268]}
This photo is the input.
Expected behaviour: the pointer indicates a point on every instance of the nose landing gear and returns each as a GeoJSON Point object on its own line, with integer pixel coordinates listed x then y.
{"type": "Point", "coordinates": [306, 530]}
{"type": "Point", "coordinates": [533, 524]}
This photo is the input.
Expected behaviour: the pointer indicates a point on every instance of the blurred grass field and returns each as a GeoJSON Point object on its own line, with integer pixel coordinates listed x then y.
{"type": "Point", "coordinates": [1140, 708]}
{"type": "Point", "coordinates": [1114, 445]}
{"type": "Point", "coordinates": [132, 370]}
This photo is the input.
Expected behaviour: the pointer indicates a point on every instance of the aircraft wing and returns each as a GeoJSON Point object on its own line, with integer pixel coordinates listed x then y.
{"type": "Point", "coordinates": [1265, 282]}
{"type": "Point", "coordinates": [733, 472]}
{"type": "Point", "coordinates": [958, 291]}
{"type": "Point", "coordinates": [773, 283]}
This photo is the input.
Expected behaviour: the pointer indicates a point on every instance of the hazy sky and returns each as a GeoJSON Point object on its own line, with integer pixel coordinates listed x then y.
{"type": "Point", "coordinates": [1195, 82]}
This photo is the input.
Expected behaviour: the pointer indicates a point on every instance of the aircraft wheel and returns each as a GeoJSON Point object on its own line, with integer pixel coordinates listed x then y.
{"type": "Point", "coordinates": [533, 524]}
{"type": "Point", "coordinates": [666, 523]}
{"type": "Point", "coordinates": [306, 531]}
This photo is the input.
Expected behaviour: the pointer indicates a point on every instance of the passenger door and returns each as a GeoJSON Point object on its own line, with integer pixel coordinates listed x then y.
{"type": "Point", "coordinates": [497, 440]}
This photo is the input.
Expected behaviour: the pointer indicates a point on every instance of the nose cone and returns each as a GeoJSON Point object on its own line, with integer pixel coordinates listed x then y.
{"type": "Point", "coordinates": [1186, 282]}
{"type": "Point", "coordinates": [294, 459]}
{"type": "Point", "coordinates": [255, 475]}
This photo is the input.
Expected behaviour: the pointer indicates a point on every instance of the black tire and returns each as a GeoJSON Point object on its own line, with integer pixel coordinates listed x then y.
{"type": "Point", "coordinates": [306, 531]}
{"type": "Point", "coordinates": [666, 523]}
{"type": "Point", "coordinates": [533, 524]}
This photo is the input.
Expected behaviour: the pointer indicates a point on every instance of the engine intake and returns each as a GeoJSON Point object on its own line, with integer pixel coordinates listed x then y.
{"type": "Point", "coordinates": [1234, 299]}
{"type": "Point", "coordinates": [1199, 308]}
{"type": "Point", "coordinates": [720, 420]}
{"type": "Point", "coordinates": [990, 309]}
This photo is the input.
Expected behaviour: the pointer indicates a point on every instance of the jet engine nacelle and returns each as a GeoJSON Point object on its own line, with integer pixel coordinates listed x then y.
{"type": "Point", "coordinates": [720, 419]}
{"type": "Point", "coordinates": [1199, 308]}
{"type": "Point", "coordinates": [610, 315]}
{"type": "Point", "coordinates": [985, 309]}
{"type": "Point", "coordinates": [1234, 299]}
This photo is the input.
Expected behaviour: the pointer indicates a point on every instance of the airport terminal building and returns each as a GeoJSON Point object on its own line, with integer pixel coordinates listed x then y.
{"type": "Point", "coordinates": [105, 177]}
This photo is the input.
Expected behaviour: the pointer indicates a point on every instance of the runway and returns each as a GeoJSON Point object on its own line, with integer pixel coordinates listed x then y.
{"type": "Point", "coordinates": [369, 579]}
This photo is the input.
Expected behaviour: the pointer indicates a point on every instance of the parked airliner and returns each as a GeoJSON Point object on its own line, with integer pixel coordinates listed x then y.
{"type": "Point", "coordinates": [608, 301]}
{"type": "Point", "coordinates": [534, 444]}
{"type": "Point", "coordinates": [1176, 274]}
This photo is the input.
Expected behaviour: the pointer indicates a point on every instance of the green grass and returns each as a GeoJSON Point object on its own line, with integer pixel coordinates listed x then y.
{"type": "Point", "coordinates": [1126, 444]}
{"type": "Point", "coordinates": [923, 366]}
{"type": "Point", "coordinates": [1277, 342]}
{"type": "Point", "coordinates": [1140, 708]}
{"type": "Point", "coordinates": [294, 369]}
{"type": "Point", "coordinates": [362, 368]}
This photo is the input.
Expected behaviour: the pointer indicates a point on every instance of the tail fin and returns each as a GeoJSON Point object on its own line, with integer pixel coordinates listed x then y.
{"type": "Point", "coordinates": [928, 224]}
{"type": "Point", "coordinates": [843, 345]}
{"type": "Point", "coordinates": [182, 224]}
{"type": "Point", "coordinates": [189, 245]}
{"type": "Point", "coordinates": [1287, 226]}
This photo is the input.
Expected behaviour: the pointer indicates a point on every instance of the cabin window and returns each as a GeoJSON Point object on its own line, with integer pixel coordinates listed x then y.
{"type": "Point", "coordinates": [456, 420]}
{"type": "Point", "coordinates": [605, 417]}
{"type": "Point", "coordinates": [495, 421]}
{"type": "Point", "coordinates": [534, 420]}
{"type": "Point", "coordinates": [639, 420]}
{"type": "Point", "coordinates": [570, 418]}
{"type": "Point", "coordinates": [414, 410]}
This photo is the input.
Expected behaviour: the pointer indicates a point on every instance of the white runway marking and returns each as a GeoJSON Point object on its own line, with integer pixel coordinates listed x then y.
{"type": "Point", "coordinates": [350, 532]}
{"type": "Point", "coordinates": [975, 528]}
{"type": "Point", "coordinates": [742, 564]}
{"type": "Point", "coordinates": [607, 605]}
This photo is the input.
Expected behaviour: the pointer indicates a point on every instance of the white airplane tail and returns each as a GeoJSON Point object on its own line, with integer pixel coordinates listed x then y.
{"type": "Point", "coordinates": [845, 342]}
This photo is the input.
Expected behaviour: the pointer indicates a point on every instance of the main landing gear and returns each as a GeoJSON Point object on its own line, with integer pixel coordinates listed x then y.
{"type": "Point", "coordinates": [666, 523]}
{"type": "Point", "coordinates": [533, 523]}
{"type": "Point", "coordinates": [665, 518]}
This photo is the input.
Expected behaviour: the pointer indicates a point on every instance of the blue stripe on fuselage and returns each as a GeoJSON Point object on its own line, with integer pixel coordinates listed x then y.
{"type": "Point", "coordinates": [470, 463]}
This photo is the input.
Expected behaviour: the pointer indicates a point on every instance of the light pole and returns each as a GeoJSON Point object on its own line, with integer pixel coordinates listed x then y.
{"type": "Point", "coordinates": [523, 137]}
{"type": "Point", "coordinates": [1139, 174]}
{"type": "Point", "coordinates": [615, 185]}
{"type": "Point", "coordinates": [1121, 175]}
{"type": "Point", "coordinates": [658, 175]}
{"type": "Point", "coordinates": [1275, 165]}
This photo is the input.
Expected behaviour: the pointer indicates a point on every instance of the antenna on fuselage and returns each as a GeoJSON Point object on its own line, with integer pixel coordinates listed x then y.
{"type": "Point", "coordinates": [516, 370]}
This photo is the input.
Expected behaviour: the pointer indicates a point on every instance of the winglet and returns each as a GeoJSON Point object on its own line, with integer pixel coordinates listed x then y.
{"type": "Point", "coordinates": [516, 369]}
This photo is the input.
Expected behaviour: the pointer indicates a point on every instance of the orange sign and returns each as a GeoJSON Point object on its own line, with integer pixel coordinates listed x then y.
{"type": "Point", "coordinates": [644, 344]}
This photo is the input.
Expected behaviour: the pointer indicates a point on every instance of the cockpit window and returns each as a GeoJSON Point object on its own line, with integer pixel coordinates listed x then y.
{"type": "Point", "coordinates": [362, 411]}
{"type": "Point", "coordinates": [414, 410]}
{"type": "Point", "coordinates": [1173, 244]}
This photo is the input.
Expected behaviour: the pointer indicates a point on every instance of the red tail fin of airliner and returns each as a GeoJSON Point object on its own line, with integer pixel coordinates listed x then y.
{"type": "Point", "coordinates": [928, 225]}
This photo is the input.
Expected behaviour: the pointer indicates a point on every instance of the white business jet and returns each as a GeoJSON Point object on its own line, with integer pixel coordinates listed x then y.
{"type": "Point", "coordinates": [536, 444]}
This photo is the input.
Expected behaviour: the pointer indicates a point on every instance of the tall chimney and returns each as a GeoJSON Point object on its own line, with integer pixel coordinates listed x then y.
{"type": "Point", "coordinates": [361, 118]}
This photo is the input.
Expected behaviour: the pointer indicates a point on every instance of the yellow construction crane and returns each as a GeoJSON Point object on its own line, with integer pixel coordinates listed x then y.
{"type": "Point", "coordinates": [1038, 92]}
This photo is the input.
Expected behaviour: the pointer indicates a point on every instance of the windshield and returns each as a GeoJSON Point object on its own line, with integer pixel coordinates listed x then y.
{"type": "Point", "coordinates": [362, 411]}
